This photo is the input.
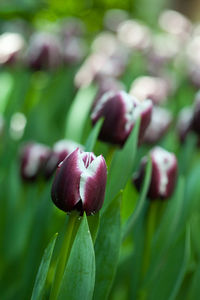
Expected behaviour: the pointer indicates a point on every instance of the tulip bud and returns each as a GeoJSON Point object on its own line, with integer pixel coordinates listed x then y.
{"type": "Point", "coordinates": [33, 160]}
{"type": "Point", "coordinates": [60, 151]}
{"type": "Point", "coordinates": [106, 84]}
{"type": "Point", "coordinates": [44, 52]}
{"type": "Point", "coordinates": [160, 122]}
{"type": "Point", "coordinates": [120, 112]}
{"type": "Point", "coordinates": [74, 50]}
{"type": "Point", "coordinates": [149, 87]}
{"type": "Point", "coordinates": [196, 115]}
{"type": "Point", "coordinates": [163, 177]}
{"type": "Point", "coordinates": [184, 123]}
{"type": "Point", "coordinates": [80, 183]}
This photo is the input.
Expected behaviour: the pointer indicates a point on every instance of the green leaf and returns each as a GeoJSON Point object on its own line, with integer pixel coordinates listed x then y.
{"type": "Point", "coordinates": [141, 202]}
{"type": "Point", "coordinates": [170, 271]}
{"type": "Point", "coordinates": [122, 165]}
{"type": "Point", "coordinates": [168, 228]}
{"type": "Point", "coordinates": [194, 290]}
{"type": "Point", "coordinates": [78, 113]}
{"type": "Point", "coordinates": [43, 270]}
{"type": "Point", "coordinates": [79, 276]}
{"type": "Point", "coordinates": [107, 248]}
{"type": "Point", "coordinates": [90, 143]}
{"type": "Point", "coordinates": [93, 222]}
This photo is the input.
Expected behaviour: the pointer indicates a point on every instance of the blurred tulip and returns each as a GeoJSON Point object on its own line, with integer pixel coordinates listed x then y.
{"type": "Point", "coordinates": [120, 112]}
{"type": "Point", "coordinates": [72, 27]}
{"type": "Point", "coordinates": [33, 160]}
{"type": "Point", "coordinates": [196, 115]}
{"type": "Point", "coordinates": [175, 23]}
{"type": "Point", "coordinates": [184, 123]}
{"type": "Point", "coordinates": [106, 84]}
{"type": "Point", "coordinates": [163, 177]}
{"type": "Point", "coordinates": [11, 47]}
{"type": "Point", "coordinates": [113, 18]}
{"type": "Point", "coordinates": [148, 87]}
{"type": "Point", "coordinates": [60, 151]}
{"type": "Point", "coordinates": [134, 35]}
{"type": "Point", "coordinates": [160, 122]}
{"type": "Point", "coordinates": [80, 183]}
{"type": "Point", "coordinates": [44, 52]}
{"type": "Point", "coordinates": [74, 50]}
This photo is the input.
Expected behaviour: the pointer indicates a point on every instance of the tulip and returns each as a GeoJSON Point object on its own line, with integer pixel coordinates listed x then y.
{"type": "Point", "coordinates": [80, 183]}
{"type": "Point", "coordinates": [196, 115]}
{"type": "Point", "coordinates": [163, 177]}
{"type": "Point", "coordinates": [61, 149]}
{"type": "Point", "coordinates": [33, 160]}
{"type": "Point", "coordinates": [160, 122]}
{"type": "Point", "coordinates": [154, 88]}
{"type": "Point", "coordinates": [106, 84]}
{"type": "Point", "coordinates": [184, 123]}
{"type": "Point", "coordinates": [113, 18]}
{"type": "Point", "coordinates": [44, 52]}
{"type": "Point", "coordinates": [120, 112]}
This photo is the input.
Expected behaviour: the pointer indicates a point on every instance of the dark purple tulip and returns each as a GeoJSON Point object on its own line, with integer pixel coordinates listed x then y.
{"type": "Point", "coordinates": [33, 159]}
{"type": "Point", "coordinates": [60, 151]}
{"type": "Point", "coordinates": [163, 177]}
{"type": "Point", "coordinates": [106, 84]}
{"type": "Point", "coordinates": [184, 123]}
{"type": "Point", "coordinates": [80, 183]}
{"type": "Point", "coordinates": [120, 112]}
{"type": "Point", "coordinates": [160, 122]}
{"type": "Point", "coordinates": [196, 115]}
{"type": "Point", "coordinates": [44, 52]}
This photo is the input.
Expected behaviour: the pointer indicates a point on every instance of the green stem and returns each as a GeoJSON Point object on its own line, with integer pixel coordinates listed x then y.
{"type": "Point", "coordinates": [64, 255]}
{"type": "Point", "coordinates": [150, 229]}
{"type": "Point", "coordinates": [109, 157]}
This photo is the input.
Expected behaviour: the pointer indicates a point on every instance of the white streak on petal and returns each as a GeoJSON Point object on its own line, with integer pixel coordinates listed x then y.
{"type": "Point", "coordinates": [88, 172]}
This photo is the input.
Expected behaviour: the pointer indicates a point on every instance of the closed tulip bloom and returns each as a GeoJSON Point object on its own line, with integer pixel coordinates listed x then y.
{"type": "Point", "coordinates": [44, 52]}
{"type": "Point", "coordinates": [163, 177]}
{"type": "Point", "coordinates": [120, 112]}
{"type": "Point", "coordinates": [33, 160]}
{"type": "Point", "coordinates": [80, 183]}
{"type": "Point", "coordinates": [155, 88]}
{"type": "Point", "coordinates": [60, 151]}
{"type": "Point", "coordinates": [184, 123]}
{"type": "Point", "coordinates": [160, 122]}
{"type": "Point", "coordinates": [196, 115]}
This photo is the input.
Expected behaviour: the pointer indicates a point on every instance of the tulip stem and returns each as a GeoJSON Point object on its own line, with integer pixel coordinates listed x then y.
{"type": "Point", "coordinates": [110, 154]}
{"type": "Point", "coordinates": [64, 254]}
{"type": "Point", "coordinates": [150, 229]}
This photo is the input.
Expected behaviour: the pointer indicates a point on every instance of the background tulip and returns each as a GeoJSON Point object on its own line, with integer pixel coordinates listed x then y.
{"type": "Point", "coordinates": [33, 160]}
{"type": "Point", "coordinates": [120, 111]}
{"type": "Point", "coordinates": [80, 183]}
{"type": "Point", "coordinates": [60, 150]}
{"type": "Point", "coordinates": [163, 177]}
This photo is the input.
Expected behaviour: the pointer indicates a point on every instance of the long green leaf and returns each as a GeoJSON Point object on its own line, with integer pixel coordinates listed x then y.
{"type": "Point", "coordinates": [78, 113]}
{"type": "Point", "coordinates": [79, 276]}
{"type": "Point", "coordinates": [43, 270]}
{"type": "Point", "coordinates": [90, 143]}
{"type": "Point", "coordinates": [122, 165]}
{"type": "Point", "coordinates": [107, 248]}
{"type": "Point", "coordinates": [141, 202]}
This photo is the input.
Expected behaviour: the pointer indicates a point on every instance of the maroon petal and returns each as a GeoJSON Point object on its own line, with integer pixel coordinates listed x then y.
{"type": "Point", "coordinates": [65, 190]}
{"type": "Point", "coordinates": [92, 185]}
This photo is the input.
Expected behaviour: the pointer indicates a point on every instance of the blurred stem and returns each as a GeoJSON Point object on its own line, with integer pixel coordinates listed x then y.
{"type": "Point", "coordinates": [150, 229]}
{"type": "Point", "coordinates": [64, 255]}
{"type": "Point", "coordinates": [110, 154]}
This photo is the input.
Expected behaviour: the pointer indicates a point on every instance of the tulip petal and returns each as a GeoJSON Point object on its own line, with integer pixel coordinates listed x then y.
{"type": "Point", "coordinates": [65, 189]}
{"type": "Point", "coordinates": [92, 185]}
